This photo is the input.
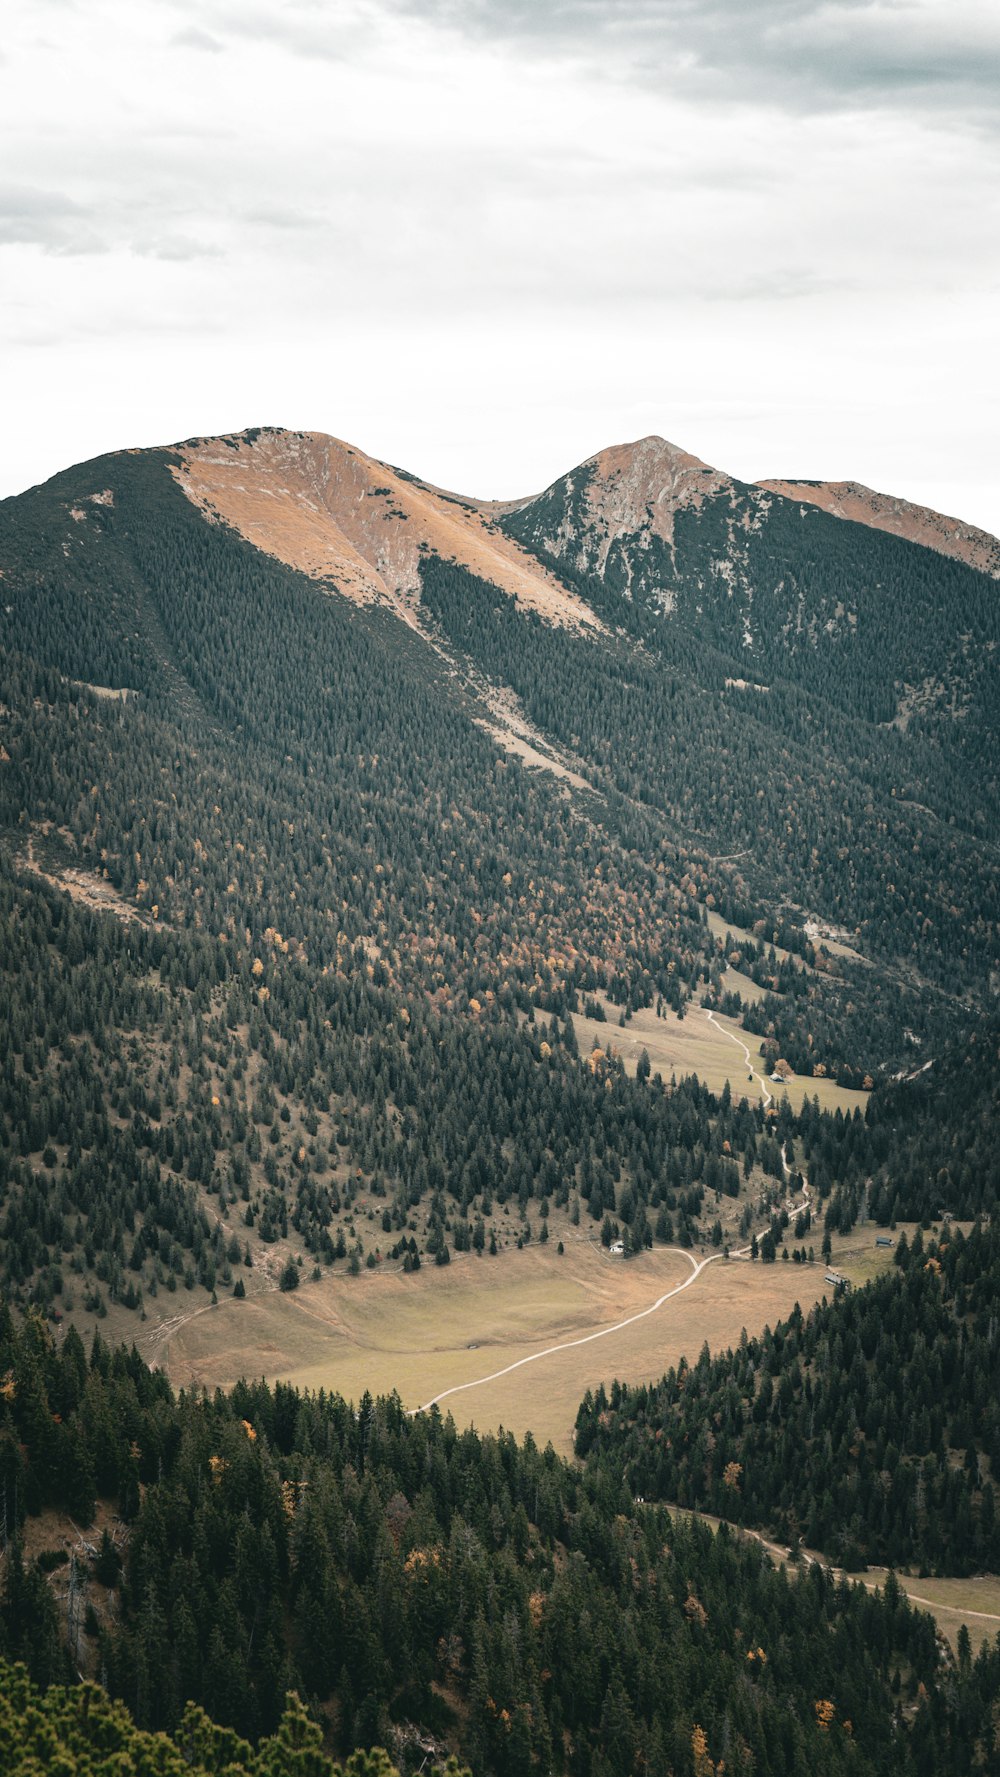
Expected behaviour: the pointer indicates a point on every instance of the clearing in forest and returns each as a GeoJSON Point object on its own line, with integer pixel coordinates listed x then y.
{"type": "Point", "coordinates": [974, 1601]}
{"type": "Point", "coordinates": [713, 1050]}
{"type": "Point", "coordinates": [447, 1326]}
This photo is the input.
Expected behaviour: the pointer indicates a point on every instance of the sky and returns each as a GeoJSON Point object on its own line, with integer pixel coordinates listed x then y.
{"type": "Point", "coordinates": [484, 238]}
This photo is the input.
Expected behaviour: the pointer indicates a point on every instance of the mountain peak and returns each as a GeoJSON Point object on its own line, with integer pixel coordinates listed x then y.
{"type": "Point", "coordinates": [625, 491]}
{"type": "Point", "coordinates": [648, 450]}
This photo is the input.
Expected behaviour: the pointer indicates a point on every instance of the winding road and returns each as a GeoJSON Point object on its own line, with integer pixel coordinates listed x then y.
{"type": "Point", "coordinates": [697, 1267]}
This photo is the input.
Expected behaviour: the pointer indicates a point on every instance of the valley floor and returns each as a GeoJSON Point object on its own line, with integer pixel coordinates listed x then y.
{"type": "Point", "coordinates": [443, 1329]}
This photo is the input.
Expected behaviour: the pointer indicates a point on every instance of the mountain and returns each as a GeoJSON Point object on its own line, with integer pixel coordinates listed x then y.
{"type": "Point", "coordinates": [859, 618]}
{"type": "Point", "coordinates": [337, 812]}
{"type": "Point", "coordinates": [340, 516]}
{"type": "Point", "coordinates": [383, 872]}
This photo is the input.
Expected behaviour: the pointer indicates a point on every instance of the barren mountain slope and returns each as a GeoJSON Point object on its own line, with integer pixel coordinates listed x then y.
{"type": "Point", "coordinates": [884, 512]}
{"type": "Point", "coordinates": [328, 509]}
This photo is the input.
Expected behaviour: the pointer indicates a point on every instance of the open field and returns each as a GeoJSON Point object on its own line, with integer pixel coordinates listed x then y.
{"type": "Point", "coordinates": [444, 1328]}
{"type": "Point", "coordinates": [711, 1049]}
{"type": "Point", "coordinates": [719, 927]}
{"type": "Point", "coordinates": [858, 1257]}
{"type": "Point", "coordinates": [734, 981]}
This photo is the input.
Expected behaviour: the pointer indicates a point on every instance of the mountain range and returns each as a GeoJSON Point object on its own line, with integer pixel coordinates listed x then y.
{"type": "Point", "coordinates": [304, 724]}
{"type": "Point", "coordinates": [792, 693]}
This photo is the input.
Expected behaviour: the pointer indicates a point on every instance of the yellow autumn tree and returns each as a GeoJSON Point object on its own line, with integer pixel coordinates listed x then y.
{"type": "Point", "coordinates": [703, 1765]}
{"type": "Point", "coordinates": [826, 1714]}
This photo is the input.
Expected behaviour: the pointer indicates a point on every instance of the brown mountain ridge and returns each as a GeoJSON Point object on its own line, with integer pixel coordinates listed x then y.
{"type": "Point", "coordinates": [887, 512]}
{"type": "Point", "coordinates": [329, 509]}
{"type": "Point", "coordinates": [333, 512]}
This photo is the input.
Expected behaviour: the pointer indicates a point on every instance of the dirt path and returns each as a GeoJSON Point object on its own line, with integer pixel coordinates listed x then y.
{"type": "Point", "coordinates": [812, 1559]}
{"type": "Point", "coordinates": [733, 1038]}
{"type": "Point", "coordinates": [741, 1252]}
{"type": "Point", "coordinates": [153, 1344]}
{"type": "Point", "coordinates": [932, 1604]}
{"type": "Point", "coordinates": [939, 1608]}
{"type": "Point", "coordinates": [697, 1265]}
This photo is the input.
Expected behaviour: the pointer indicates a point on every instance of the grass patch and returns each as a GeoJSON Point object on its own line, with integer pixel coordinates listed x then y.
{"type": "Point", "coordinates": [439, 1329]}
{"type": "Point", "coordinates": [696, 1045]}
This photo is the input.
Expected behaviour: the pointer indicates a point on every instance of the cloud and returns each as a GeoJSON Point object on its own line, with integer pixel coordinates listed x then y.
{"type": "Point", "coordinates": [301, 27]}
{"type": "Point", "coordinates": [57, 224]}
{"type": "Point", "coordinates": [192, 38]}
{"type": "Point", "coordinates": [933, 58]}
{"type": "Point", "coordinates": [32, 216]}
{"type": "Point", "coordinates": [178, 248]}
{"type": "Point", "coordinates": [801, 53]}
{"type": "Point", "coordinates": [289, 220]}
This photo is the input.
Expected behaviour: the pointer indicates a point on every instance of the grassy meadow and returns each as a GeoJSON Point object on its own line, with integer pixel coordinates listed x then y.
{"type": "Point", "coordinates": [712, 1049]}
{"type": "Point", "coordinates": [443, 1328]}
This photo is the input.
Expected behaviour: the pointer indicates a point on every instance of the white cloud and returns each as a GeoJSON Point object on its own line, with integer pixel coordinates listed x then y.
{"type": "Point", "coordinates": [485, 240]}
{"type": "Point", "coordinates": [191, 38]}
{"type": "Point", "coordinates": [907, 53]}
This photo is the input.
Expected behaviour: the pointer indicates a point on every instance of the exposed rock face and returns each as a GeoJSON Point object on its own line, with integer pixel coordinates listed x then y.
{"type": "Point", "coordinates": [641, 486]}
{"type": "Point", "coordinates": [652, 522]}
{"type": "Point", "coordinates": [774, 573]}
{"type": "Point", "coordinates": [884, 512]}
{"type": "Point", "coordinates": [329, 510]}
{"type": "Point", "coordinates": [616, 511]}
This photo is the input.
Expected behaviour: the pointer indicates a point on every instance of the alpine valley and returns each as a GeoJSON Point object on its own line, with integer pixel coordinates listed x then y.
{"type": "Point", "coordinates": [481, 964]}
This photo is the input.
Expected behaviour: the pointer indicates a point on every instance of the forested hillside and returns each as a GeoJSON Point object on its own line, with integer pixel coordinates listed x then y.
{"type": "Point", "coordinates": [719, 762]}
{"type": "Point", "coordinates": [333, 901]}
{"type": "Point", "coordinates": [869, 1429]}
{"type": "Point", "coordinates": [786, 589]}
{"type": "Point", "coordinates": [287, 929]}
{"type": "Point", "coordinates": [79, 1729]}
{"type": "Point", "coordinates": [431, 1590]}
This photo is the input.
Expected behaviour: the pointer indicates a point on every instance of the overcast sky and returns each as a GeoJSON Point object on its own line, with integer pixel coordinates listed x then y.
{"type": "Point", "coordinates": [483, 238]}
